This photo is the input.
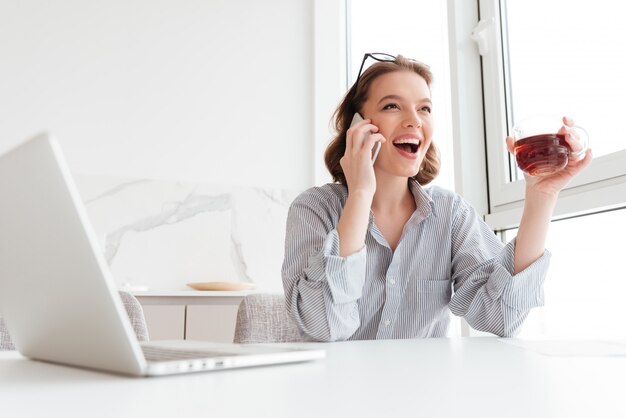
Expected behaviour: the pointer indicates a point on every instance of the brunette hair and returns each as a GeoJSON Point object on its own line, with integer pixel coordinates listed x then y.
{"type": "Point", "coordinates": [353, 102]}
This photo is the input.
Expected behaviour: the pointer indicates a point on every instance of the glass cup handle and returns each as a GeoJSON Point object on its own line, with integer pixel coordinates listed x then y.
{"type": "Point", "coordinates": [583, 138]}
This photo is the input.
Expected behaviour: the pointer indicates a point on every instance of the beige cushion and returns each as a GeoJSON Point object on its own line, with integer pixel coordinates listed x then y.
{"type": "Point", "coordinates": [263, 318]}
{"type": "Point", "coordinates": [135, 314]}
{"type": "Point", "coordinates": [133, 309]}
{"type": "Point", "coordinates": [5, 338]}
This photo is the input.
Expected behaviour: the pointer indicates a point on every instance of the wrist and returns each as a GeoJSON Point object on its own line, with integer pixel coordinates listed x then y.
{"type": "Point", "coordinates": [539, 206]}
{"type": "Point", "coordinates": [540, 195]}
{"type": "Point", "coordinates": [361, 196]}
{"type": "Point", "coordinates": [353, 222]}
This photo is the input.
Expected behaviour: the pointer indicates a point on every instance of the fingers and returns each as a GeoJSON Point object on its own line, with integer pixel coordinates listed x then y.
{"type": "Point", "coordinates": [567, 121]}
{"type": "Point", "coordinates": [573, 140]}
{"type": "Point", "coordinates": [576, 166]}
{"type": "Point", "coordinates": [356, 130]}
{"type": "Point", "coordinates": [575, 146]}
{"type": "Point", "coordinates": [510, 144]}
{"type": "Point", "coordinates": [362, 136]}
{"type": "Point", "coordinates": [370, 142]}
{"type": "Point", "coordinates": [572, 137]}
{"type": "Point", "coordinates": [582, 162]}
{"type": "Point", "coordinates": [368, 145]}
{"type": "Point", "coordinates": [568, 124]}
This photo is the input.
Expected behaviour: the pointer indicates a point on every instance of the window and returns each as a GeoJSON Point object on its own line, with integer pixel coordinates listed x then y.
{"type": "Point", "coordinates": [570, 58]}
{"type": "Point", "coordinates": [392, 27]}
{"type": "Point", "coordinates": [584, 287]}
{"type": "Point", "coordinates": [566, 59]}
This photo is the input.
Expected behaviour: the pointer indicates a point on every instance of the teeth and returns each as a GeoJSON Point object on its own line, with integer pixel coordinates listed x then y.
{"type": "Point", "coordinates": [407, 141]}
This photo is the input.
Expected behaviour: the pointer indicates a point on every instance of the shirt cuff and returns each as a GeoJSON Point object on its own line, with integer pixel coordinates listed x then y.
{"type": "Point", "coordinates": [345, 275]}
{"type": "Point", "coordinates": [521, 291]}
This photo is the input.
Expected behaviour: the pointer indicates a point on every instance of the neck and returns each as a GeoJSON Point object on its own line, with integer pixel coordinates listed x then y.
{"type": "Point", "coordinates": [392, 193]}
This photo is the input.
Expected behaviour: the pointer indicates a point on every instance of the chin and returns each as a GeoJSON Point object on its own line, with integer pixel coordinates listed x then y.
{"type": "Point", "coordinates": [408, 173]}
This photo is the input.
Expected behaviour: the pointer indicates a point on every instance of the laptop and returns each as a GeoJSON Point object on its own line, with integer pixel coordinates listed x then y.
{"type": "Point", "coordinates": [57, 295]}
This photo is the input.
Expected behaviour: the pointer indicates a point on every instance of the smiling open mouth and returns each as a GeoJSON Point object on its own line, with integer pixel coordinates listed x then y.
{"type": "Point", "coordinates": [407, 145]}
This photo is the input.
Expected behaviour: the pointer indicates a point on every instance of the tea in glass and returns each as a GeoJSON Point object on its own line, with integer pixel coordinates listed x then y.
{"type": "Point", "coordinates": [544, 144]}
{"type": "Point", "coordinates": [543, 154]}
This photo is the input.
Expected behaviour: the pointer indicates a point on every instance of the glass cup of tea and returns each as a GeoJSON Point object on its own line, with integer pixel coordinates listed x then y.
{"type": "Point", "coordinates": [541, 147]}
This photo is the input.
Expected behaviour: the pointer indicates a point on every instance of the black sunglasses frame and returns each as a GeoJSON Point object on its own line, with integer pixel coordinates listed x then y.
{"type": "Point", "coordinates": [378, 56]}
{"type": "Point", "coordinates": [381, 57]}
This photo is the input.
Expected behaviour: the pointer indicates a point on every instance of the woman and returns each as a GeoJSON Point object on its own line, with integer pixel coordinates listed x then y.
{"type": "Point", "coordinates": [376, 255]}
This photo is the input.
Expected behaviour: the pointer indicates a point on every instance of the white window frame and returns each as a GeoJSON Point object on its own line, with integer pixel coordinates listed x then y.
{"type": "Point", "coordinates": [470, 170]}
{"type": "Point", "coordinates": [600, 186]}
{"type": "Point", "coordinates": [330, 62]}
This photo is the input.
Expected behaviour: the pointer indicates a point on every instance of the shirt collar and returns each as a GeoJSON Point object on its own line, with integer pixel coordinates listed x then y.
{"type": "Point", "coordinates": [425, 206]}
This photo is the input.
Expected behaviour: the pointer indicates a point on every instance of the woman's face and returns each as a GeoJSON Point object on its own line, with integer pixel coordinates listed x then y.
{"type": "Point", "coordinates": [399, 104]}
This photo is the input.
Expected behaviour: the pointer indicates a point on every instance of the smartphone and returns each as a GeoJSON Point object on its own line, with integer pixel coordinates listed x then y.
{"type": "Point", "coordinates": [358, 118]}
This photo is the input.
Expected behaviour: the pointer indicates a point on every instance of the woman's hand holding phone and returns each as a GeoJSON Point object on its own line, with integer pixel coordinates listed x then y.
{"type": "Point", "coordinates": [358, 118]}
{"type": "Point", "coordinates": [361, 139]}
{"type": "Point", "coordinates": [362, 145]}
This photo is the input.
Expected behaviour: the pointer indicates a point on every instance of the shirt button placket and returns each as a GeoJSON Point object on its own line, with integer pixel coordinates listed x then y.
{"type": "Point", "coordinates": [386, 326]}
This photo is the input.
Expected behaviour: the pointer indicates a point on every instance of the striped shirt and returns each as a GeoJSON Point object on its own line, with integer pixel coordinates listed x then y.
{"type": "Point", "coordinates": [447, 260]}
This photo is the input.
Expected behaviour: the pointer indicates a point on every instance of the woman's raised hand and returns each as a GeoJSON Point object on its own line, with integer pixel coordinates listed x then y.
{"type": "Point", "coordinates": [357, 160]}
{"type": "Point", "coordinates": [552, 184]}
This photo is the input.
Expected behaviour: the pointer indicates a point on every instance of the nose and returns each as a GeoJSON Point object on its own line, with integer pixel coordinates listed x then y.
{"type": "Point", "coordinates": [412, 121]}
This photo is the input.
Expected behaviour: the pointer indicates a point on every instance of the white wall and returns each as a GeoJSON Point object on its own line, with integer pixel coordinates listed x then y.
{"type": "Point", "coordinates": [215, 91]}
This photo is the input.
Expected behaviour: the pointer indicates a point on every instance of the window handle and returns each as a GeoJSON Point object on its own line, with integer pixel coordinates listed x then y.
{"type": "Point", "coordinates": [480, 35]}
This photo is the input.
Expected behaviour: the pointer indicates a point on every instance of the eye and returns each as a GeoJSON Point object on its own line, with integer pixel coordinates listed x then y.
{"type": "Point", "coordinates": [391, 106]}
{"type": "Point", "coordinates": [426, 109]}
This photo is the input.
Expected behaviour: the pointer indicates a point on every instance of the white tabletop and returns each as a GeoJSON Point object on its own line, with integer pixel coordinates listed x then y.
{"type": "Point", "coordinates": [192, 293]}
{"type": "Point", "coordinates": [190, 297]}
{"type": "Point", "coordinates": [474, 377]}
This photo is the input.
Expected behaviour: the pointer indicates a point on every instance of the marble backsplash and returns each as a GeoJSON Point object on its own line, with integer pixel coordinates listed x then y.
{"type": "Point", "coordinates": [160, 235]}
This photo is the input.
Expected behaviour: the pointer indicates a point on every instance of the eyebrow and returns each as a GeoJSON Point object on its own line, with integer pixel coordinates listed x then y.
{"type": "Point", "coordinates": [396, 97]}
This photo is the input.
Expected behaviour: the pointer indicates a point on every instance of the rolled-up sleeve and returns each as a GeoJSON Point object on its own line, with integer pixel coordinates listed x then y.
{"type": "Point", "coordinates": [486, 292]}
{"type": "Point", "coordinates": [321, 287]}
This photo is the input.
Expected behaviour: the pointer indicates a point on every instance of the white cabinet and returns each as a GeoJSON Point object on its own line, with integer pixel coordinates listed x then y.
{"type": "Point", "coordinates": [211, 322]}
{"type": "Point", "coordinates": [165, 322]}
{"type": "Point", "coordinates": [192, 315]}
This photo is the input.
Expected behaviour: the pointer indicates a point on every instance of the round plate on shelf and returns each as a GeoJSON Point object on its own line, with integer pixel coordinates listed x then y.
{"type": "Point", "coordinates": [231, 286]}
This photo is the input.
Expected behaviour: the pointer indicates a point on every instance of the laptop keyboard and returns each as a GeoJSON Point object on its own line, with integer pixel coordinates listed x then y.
{"type": "Point", "coordinates": [153, 353]}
